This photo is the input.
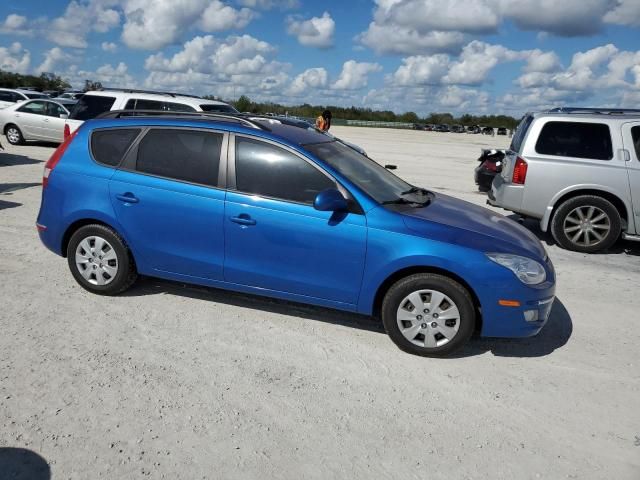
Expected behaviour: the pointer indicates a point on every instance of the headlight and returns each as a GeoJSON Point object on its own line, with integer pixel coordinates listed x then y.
{"type": "Point", "coordinates": [527, 270]}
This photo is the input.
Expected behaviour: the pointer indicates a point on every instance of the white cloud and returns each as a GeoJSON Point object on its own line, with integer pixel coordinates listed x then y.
{"type": "Point", "coordinates": [422, 70]}
{"type": "Point", "coordinates": [315, 32]}
{"type": "Point", "coordinates": [354, 75]}
{"type": "Point", "coordinates": [72, 28]}
{"type": "Point", "coordinates": [109, 47]}
{"type": "Point", "coordinates": [419, 27]}
{"type": "Point", "coordinates": [218, 17]}
{"type": "Point", "coordinates": [15, 25]}
{"type": "Point", "coordinates": [53, 58]}
{"type": "Point", "coordinates": [270, 4]}
{"type": "Point", "coordinates": [312, 78]}
{"type": "Point", "coordinates": [14, 58]}
{"type": "Point", "coordinates": [476, 61]}
{"type": "Point", "coordinates": [107, 74]}
{"type": "Point", "coordinates": [153, 24]}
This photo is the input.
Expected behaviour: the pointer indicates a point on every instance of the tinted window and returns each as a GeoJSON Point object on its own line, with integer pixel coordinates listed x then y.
{"type": "Point", "coordinates": [6, 97]}
{"type": "Point", "coordinates": [635, 134]}
{"type": "Point", "coordinates": [36, 95]}
{"type": "Point", "coordinates": [218, 108]}
{"type": "Point", "coordinates": [191, 156]}
{"type": "Point", "coordinates": [266, 170]}
{"type": "Point", "coordinates": [109, 146]}
{"type": "Point", "coordinates": [37, 108]}
{"type": "Point", "coordinates": [520, 133]}
{"type": "Point", "coordinates": [141, 104]}
{"type": "Point", "coordinates": [573, 139]}
{"type": "Point", "coordinates": [90, 106]}
{"type": "Point", "coordinates": [178, 107]}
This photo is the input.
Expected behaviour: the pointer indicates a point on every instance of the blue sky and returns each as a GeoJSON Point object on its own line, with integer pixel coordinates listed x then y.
{"type": "Point", "coordinates": [494, 56]}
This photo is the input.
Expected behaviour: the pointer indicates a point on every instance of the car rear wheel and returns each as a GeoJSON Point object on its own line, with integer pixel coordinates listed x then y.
{"type": "Point", "coordinates": [100, 261]}
{"type": "Point", "coordinates": [14, 135]}
{"type": "Point", "coordinates": [428, 314]}
{"type": "Point", "coordinates": [587, 224]}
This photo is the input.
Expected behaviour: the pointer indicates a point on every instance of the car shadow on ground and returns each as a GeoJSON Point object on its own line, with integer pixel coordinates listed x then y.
{"type": "Point", "coordinates": [4, 204]}
{"type": "Point", "coordinates": [23, 464]}
{"type": "Point", "coordinates": [621, 246]}
{"type": "Point", "coordinates": [554, 335]}
{"type": "Point", "coordinates": [13, 160]}
{"type": "Point", "coordinates": [9, 188]}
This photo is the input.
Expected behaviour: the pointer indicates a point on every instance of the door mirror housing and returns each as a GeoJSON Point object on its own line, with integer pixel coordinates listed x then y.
{"type": "Point", "coordinates": [64, 116]}
{"type": "Point", "coordinates": [330, 200]}
{"type": "Point", "coordinates": [390, 167]}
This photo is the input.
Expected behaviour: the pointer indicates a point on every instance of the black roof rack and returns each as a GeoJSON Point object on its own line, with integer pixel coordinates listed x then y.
{"type": "Point", "coordinates": [602, 111]}
{"type": "Point", "coordinates": [154, 92]}
{"type": "Point", "coordinates": [228, 117]}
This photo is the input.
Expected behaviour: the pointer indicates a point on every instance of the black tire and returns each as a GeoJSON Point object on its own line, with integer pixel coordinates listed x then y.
{"type": "Point", "coordinates": [126, 272]}
{"type": "Point", "coordinates": [19, 140]}
{"type": "Point", "coordinates": [565, 209]}
{"type": "Point", "coordinates": [428, 281]}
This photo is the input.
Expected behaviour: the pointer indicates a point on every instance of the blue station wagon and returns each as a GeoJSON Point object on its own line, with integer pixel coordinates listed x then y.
{"type": "Point", "coordinates": [258, 206]}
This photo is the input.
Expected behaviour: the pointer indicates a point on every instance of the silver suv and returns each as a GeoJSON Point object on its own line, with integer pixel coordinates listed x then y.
{"type": "Point", "coordinates": [578, 172]}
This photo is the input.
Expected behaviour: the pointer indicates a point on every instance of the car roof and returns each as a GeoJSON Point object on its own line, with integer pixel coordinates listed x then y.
{"type": "Point", "coordinates": [294, 135]}
{"type": "Point", "coordinates": [168, 97]}
{"type": "Point", "coordinates": [589, 114]}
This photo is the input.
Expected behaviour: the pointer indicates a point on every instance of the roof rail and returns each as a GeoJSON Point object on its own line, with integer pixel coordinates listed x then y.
{"type": "Point", "coordinates": [202, 115]}
{"type": "Point", "coordinates": [602, 111]}
{"type": "Point", "coordinates": [154, 92]}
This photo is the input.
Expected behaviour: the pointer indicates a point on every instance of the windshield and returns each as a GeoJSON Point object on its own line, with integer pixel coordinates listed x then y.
{"type": "Point", "coordinates": [382, 185]}
{"type": "Point", "coordinates": [218, 108]}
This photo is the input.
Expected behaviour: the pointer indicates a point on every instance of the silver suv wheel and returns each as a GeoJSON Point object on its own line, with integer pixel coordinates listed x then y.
{"type": "Point", "coordinates": [587, 226]}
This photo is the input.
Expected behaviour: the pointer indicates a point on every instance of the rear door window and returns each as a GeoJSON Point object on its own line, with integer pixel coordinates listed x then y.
{"type": "Point", "coordinates": [178, 107]}
{"type": "Point", "coordinates": [575, 139]}
{"type": "Point", "coordinates": [187, 155]}
{"type": "Point", "coordinates": [266, 170]}
{"type": "Point", "coordinates": [109, 146]}
{"type": "Point", "coordinates": [90, 106]}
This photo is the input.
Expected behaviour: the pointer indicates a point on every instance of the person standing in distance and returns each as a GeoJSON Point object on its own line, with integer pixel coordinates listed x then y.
{"type": "Point", "coordinates": [323, 122]}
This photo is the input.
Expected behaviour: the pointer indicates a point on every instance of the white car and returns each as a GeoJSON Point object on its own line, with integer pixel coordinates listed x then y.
{"type": "Point", "coordinates": [97, 102]}
{"type": "Point", "coordinates": [33, 120]}
{"type": "Point", "coordinates": [10, 96]}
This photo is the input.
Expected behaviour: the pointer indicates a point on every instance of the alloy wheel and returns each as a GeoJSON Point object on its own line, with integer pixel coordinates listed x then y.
{"type": "Point", "coordinates": [13, 135]}
{"type": "Point", "coordinates": [586, 225]}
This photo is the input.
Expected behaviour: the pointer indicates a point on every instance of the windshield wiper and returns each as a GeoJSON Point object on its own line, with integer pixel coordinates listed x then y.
{"type": "Point", "coordinates": [404, 201]}
{"type": "Point", "coordinates": [415, 190]}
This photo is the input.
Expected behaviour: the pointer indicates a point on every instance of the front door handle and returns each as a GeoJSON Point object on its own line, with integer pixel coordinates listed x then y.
{"type": "Point", "coordinates": [127, 197]}
{"type": "Point", "coordinates": [243, 219]}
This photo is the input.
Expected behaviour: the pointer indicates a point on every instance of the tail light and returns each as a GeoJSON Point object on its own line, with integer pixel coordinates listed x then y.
{"type": "Point", "coordinates": [519, 171]}
{"type": "Point", "coordinates": [67, 130]}
{"type": "Point", "coordinates": [55, 158]}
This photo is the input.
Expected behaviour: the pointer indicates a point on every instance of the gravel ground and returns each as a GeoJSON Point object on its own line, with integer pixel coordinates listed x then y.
{"type": "Point", "coordinates": [174, 381]}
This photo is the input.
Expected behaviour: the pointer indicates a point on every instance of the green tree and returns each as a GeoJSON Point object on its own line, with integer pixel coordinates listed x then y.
{"type": "Point", "coordinates": [243, 104]}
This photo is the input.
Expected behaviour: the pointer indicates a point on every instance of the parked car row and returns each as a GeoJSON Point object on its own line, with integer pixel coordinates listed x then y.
{"type": "Point", "coordinates": [475, 129]}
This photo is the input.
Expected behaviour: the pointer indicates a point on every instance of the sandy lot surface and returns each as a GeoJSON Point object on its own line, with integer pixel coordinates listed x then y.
{"type": "Point", "coordinates": [182, 382]}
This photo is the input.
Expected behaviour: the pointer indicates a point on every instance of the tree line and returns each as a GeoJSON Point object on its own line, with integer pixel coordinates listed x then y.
{"type": "Point", "coordinates": [245, 104]}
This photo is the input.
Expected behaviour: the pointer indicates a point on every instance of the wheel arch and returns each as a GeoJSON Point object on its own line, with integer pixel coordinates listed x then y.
{"type": "Point", "coordinates": [71, 229]}
{"type": "Point", "coordinates": [621, 205]}
{"type": "Point", "coordinates": [407, 271]}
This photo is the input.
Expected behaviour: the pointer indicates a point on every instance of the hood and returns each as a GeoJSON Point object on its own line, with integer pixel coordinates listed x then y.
{"type": "Point", "coordinates": [452, 220]}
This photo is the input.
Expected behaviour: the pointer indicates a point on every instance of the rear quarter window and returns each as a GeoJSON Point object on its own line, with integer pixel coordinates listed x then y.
{"type": "Point", "coordinates": [90, 106]}
{"type": "Point", "coordinates": [520, 133]}
{"type": "Point", "coordinates": [635, 135]}
{"type": "Point", "coordinates": [109, 146]}
{"type": "Point", "coordinates": [575, 139]}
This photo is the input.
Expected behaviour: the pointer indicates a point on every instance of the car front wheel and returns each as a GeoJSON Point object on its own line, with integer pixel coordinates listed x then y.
{"type": "Point", "coordinates": [100, 261]}
{"type": "Point", "coordinates": [428, 314]}
{"type": "Point", "coordinates": [587, 224]}
{"type": "Point", "coordinates": [14, 135]}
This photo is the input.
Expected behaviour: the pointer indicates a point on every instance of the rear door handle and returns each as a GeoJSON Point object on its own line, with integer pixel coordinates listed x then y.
{"type": "Point", "coordinates": [243, 219]}
{"type": "Point", "coordinates": [127, 197]}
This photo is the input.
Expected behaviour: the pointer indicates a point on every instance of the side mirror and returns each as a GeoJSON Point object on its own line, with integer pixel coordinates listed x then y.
{"type": "Point", "coordinates": [390, 167]}
{"type": "Point", "coordinates": [330, 200]}
{"type": "Point", "coordinates": [64, 116]}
